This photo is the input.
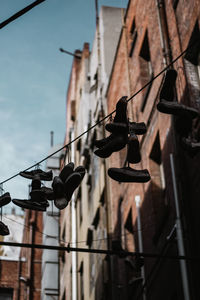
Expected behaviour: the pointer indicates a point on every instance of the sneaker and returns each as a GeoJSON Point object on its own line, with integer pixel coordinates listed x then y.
{"type": "Point", "coordinates": [72, 182]}
{"type": "Point", "coordinates": [37, 195]}
{"type": "Point", "coordinates": [133, 153]}
{"type": "Point", "coordinates": [127, 174]}
{"type": "Point", "coordinates": [192, 147]}
{"type": "Point", "coordinates": [81, 171]}
{"type": "Point", "coordinates": [46, 176]}
{"type": "Point", "coordinates": [28, 204]}
{"type": "Point", "coordinates": [4, 229]}
{"type": "Point", "coordinates": [121, 110]}
{"type": "Point", "coordinates": [36, 182]}
{"type": "Point", "coordinates": [49, 194]}
{"type": "Point", "coordinates": [66, 171]}
{"type": "Point", "coordinates": [137, 128]}
{"type": "Point", "coordinates": [177, 109]}
{"type": "Point", "coordinates": [116, 128]}
{"type": "Point", "coordinates": [116, 144]}
{"type": "Point", "coordinates": [167, 89]}
{"type": "Point", "coordinates": [58, 187]}
{"type": "Point", "coordinates": [5, 199]}
{"type": "Point", "coordinates": [61, 203]}
{"type": "Point", "coordinates": [104, 141]}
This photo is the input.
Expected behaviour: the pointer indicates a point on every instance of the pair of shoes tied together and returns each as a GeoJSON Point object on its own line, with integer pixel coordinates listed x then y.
{"type": "Point", "coordinates": [167, 103]}
{"type": "Point", "coordinates": [38, 195]}
{"type": "Point", "coordinates": [118, 138]}
{"type": "Point", "coordinates": [65, 184]}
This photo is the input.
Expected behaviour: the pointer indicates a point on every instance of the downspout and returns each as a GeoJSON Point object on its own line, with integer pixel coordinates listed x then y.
{"type": "Point", "coordinates": [140, 242]}
{"type": "Point", "coordinates": [30, 259]}
{"type": "Point", "coordinates": [167, 58]}
{"type": "Point", "coordinates": [73, 214]}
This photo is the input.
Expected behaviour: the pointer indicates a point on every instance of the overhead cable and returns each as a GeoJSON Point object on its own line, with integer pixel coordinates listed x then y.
{"type": "Point", "coordinates": [107, 116]}
{"type": "Point", "coordinates": [20, 13]}
{"type": "Point", "coordinates": [100, 251]}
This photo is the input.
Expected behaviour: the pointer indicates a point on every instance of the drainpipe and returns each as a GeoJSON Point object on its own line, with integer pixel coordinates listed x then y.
{"type": "Point", "coordinates": [137, 202]}
{"type": "Point", "coordinates": [179, 232]}
{"type": "Point", "coordinates": [167, 57]}
{"type": "Point", "coordinates": [73, 214]}
{"type": "Point", "coordinates": [31, 256]}
{"type": "Point", "coordinates": [164, 34]}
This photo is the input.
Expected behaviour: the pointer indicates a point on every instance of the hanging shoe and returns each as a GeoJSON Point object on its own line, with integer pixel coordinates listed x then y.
{"type": "Point", "coordinates": [127, 174]}
{"type": "Point", "coordinates": [104, 141]}
{"type": "Point", "coordinates": [36, 182]}
{"type": "Point", "coordinates": [66, 171]}
{"type": "Point", "coordinates": [28, 204]}
{"type": "Point", "coordinates": [58, 187]}
{"type": "Point", "coordinates": [133, 152]}
{"type": "Point", "coordinates": [167, 89]}
{"type": "Point", "coordinates": [119, 128]}
{"type": "Point", "coordinates": [46, 176]}
{"type": "Point", "coordinates": [116, 144]}
{"type": "Point", "coordinates": [49, 194]}
{"type": "Point", "coordinates": [72, 182]}
{"type": "Point", "coordinates": [5, 199]}
{"type": "Point", "coordinates": [4, 229]}
{"type": "Point", "coordinates": [138, 128]}
{"type": "Point", "coordinates": [177, 109]}
{"type": "Point", "coordinates": [121, 110]}
{"type": "Point", "coordinates": [81, 171]}
{"type": "Point", "coordinates": [61, 203]}
{"type": "Point", "coordinates": [37, 195]}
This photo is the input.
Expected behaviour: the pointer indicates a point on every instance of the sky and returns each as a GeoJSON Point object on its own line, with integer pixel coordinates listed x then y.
{"type": "Point", "coordinates": [34, 77]}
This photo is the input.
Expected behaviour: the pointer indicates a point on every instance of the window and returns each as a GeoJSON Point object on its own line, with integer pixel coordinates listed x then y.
{"type": "Point", "coordinates": [129, 224]}
{"type": "Point", "coordinates": [146, 72]}
{"type": "Point", "coordinates": [96, 219]}
{"type": "Point", "coordinates": [192, 65]}
{"type": "Point", "coordinates": [175, 4]}
{"type": "Point", "coordinates": [159, 200]}
{"type": "Point", "coordinates": [80, 205]}
{"type": "Point", "coordinates": [133, 34]}
{"type": "Point", "coordinates": [6, 294]}
{"type": "Point", "coordinates": [81, 282]}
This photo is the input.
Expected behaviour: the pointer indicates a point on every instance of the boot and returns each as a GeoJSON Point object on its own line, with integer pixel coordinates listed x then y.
{"type": "Point", "coordinates": [133, 153]}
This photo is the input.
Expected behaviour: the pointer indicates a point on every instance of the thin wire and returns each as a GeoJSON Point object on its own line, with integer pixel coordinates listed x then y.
{"type": "Point", "coordinates": [79, 242]}
{"type": "Point", "coordinates": [109, 115]}
{"type": "Point", "coordinates": [20, 13]}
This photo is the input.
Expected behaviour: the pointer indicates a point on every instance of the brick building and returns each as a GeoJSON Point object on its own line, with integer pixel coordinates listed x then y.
{"type": "Point", "coordinates": [155, 33]}
{"type": "Point", "coordinates": [160, 216]}
{"type": "Point", "coordinates": [20, 277]}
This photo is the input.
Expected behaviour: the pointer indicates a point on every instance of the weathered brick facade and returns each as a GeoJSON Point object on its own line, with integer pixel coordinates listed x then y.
{"type": "Point", "coordinates": [23, 277]}
{"type": "Point", "coordinates": [130, 73]}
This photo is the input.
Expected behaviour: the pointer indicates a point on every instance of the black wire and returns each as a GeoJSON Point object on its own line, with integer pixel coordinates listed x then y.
{"type": "Point", "coordinates": [79, 242]}
{"type": "Point", "coordinates": [109, 115]}
{"type": "Point", "coordinates": [20, 13]}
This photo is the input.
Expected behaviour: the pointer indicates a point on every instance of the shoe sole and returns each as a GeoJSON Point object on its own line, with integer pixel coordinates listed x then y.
{"type": "Point", "coordinates": [125, 175]}
{"type": "Point", "coordinates": [177, 109]}
{"type": "Point", "coordinates": [30, 205]}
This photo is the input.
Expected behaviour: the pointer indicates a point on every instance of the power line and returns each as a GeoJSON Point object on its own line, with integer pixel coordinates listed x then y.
{"type": "Point", "coordinates": [80, 242]}
{"type": "Point", "coordinates": [99, 251]}
{"type": "Point", "coordinates": [103, 119]}
{"type": "Point", "coordinates": [20, 13]}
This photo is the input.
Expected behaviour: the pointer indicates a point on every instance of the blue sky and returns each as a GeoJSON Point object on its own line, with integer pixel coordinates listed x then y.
{"type": "Point", "coordinates": [34, 77]}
